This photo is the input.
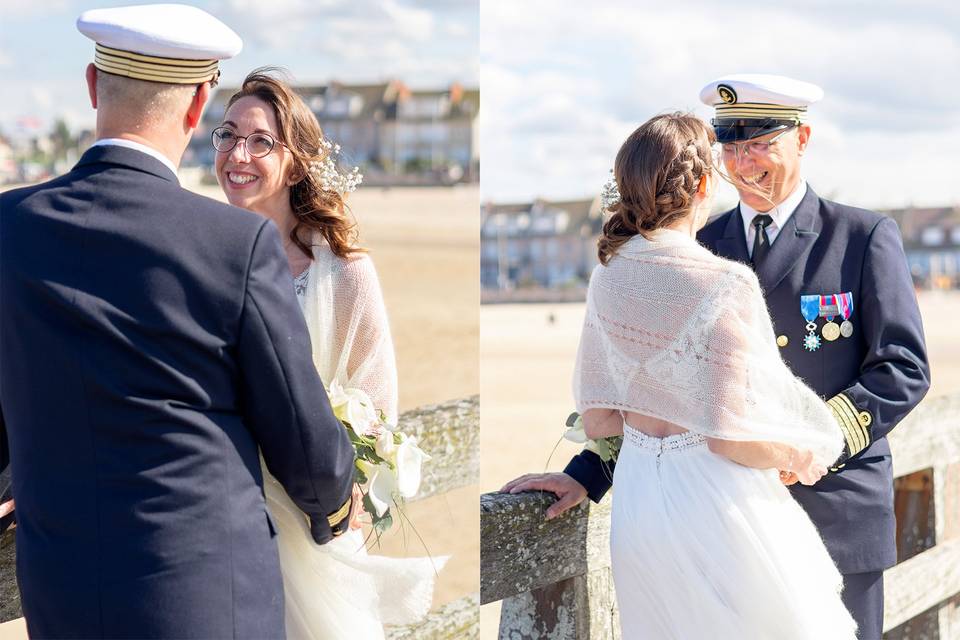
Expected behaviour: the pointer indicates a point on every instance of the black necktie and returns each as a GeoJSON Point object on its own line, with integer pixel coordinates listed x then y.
{"type": "Point", "coordinates": [761, 243]}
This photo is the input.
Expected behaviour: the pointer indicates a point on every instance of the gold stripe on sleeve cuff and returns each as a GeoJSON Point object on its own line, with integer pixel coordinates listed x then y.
{"type": "Point", "coordinates": [855, 424]}
{"type": "Point", "coordinates": [852, 441]}
{"type": "Point", "coordinates": [337, 516]}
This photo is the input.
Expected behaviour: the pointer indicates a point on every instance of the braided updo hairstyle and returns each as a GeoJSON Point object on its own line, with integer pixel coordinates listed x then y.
{"type": "Point", "coordinates": [658, 170]}
{"type": "Point", "coordinates": [316, 209]}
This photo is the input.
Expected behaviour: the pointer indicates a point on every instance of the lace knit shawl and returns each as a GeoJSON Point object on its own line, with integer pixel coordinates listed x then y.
{"type": "Point", "coordinates": [674, 332]}
{"type": "Point", "coordinates": [349, 331]}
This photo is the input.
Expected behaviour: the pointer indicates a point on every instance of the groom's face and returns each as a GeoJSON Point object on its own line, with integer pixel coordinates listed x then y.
{"type": "Point", "coordinates": [766, 178]}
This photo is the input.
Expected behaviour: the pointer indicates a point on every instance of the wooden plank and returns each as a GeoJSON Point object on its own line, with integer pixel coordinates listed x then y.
{"type": "Point", "coordinates": [928, 436]}
{"type": "Point", "coordinates": [450, 434]}
{"type": "Point", "coordinates": [9, 591]}
{"type": "Point", "coordinates": [521, 551]}
{"type": "Point", "coordinates": [458, 619]}
{"type": "Point", "coordinates": [920, 583]}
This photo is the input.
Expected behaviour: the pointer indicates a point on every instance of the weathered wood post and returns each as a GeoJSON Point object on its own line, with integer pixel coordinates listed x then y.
{"type": "Point", "coordinates": [553, 577]}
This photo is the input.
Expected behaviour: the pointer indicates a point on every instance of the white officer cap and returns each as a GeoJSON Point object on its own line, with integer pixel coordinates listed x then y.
{"type": "Point", "coordinates": [172, 43]}
{"type": "Point", "coordinates": [752, 104]}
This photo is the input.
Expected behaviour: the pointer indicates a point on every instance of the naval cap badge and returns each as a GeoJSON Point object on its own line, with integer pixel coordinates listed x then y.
{"type": "Point", "coordinates": [727, 94]}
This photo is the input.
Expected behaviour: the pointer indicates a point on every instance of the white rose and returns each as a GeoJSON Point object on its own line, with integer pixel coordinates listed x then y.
{"type": "Point", "coordinates": [338, 400]}
{"type": "Point", "coordinates": [385, 446]}
{"type": "Point", "coordinates": [409, 460]}
{"type": "Point", "coordinates": [360, 412]}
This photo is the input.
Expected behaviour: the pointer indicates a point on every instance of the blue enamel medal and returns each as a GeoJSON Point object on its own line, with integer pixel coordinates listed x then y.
{"type": "Point", "coordinates": [810, 308]}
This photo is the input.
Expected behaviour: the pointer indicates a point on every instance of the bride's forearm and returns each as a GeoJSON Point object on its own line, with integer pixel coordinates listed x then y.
{"type": "Point", "coordinates": [759, 455]}
{"type": "Point", "coordinates": [602, 423]}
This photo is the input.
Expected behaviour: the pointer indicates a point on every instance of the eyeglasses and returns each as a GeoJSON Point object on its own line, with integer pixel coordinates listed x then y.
{"type": "Point", "coordinates": [257, 144]}
{"type": "Point", "coordinates": [755, 149]}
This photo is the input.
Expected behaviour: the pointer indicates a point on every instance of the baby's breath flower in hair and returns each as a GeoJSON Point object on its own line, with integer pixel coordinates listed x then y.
{"type": "Point", "coordinates": [329, 176]}
{"type": "Point", "coordinates": [610, 194]}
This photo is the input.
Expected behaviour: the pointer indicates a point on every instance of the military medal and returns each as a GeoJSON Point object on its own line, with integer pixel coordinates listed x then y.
{"type": "Point", "coordinates": [828, 309]}
{"type": "Point", "coordinates": [810, 308]}
{"type": "Point", "coordinates": [845, 304]}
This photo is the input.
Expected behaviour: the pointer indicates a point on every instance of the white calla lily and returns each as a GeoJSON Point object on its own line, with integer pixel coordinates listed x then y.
{"type": "Point", "coordinates": [409, 461]}
{"type": "Point", "coordinates": [382, 488]}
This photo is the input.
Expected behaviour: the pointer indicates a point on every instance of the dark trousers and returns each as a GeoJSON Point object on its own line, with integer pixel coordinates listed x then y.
{"type": "Point", "coordinates": [863, 597]}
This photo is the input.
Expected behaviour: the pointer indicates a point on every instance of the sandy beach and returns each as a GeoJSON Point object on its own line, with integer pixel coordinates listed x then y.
{"type": "Point", "coordinates": [526, 364]}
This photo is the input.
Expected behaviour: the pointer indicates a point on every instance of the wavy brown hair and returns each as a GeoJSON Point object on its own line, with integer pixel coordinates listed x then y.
{"type": "Point", "coordinates": [315, 209]}
{"type": "Point", "coordinates": [658, 170]}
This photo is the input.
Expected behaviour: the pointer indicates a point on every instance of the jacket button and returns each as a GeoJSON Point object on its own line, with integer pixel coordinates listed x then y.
{"type": "Point", "coordinates": [782, 341]}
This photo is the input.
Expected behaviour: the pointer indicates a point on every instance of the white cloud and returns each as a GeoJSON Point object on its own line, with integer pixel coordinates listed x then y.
{"type": "Point", "coordinates": [563, 82]}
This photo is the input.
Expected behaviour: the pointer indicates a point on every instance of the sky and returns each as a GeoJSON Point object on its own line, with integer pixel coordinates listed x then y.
{"type": "Point", "coordinates": [565, 82]}
{"type": "Point", "coordinates": [425, 43]}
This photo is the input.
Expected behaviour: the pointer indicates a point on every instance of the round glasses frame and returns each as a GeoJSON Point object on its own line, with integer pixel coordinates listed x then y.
{"type": "Point", "coordinates": [755, 149]}
{"type": "Point", "coordinates": [217, 138]}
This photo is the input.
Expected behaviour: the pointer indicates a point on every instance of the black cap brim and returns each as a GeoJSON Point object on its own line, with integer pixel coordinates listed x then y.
{"type": "Point", "coordinates": [735, 130]}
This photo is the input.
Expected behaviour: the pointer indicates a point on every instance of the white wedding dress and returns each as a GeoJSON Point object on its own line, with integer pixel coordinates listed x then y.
{"type": "Point", "coordinates": [702, 547]}
{"type": "Point", "coordinates": [338, 591]}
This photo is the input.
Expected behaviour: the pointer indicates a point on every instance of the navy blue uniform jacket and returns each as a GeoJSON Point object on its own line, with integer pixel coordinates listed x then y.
{"type": "Point", "coordinates": [150, 344]}
{"type": "Point", "coordinates": [871, 380]}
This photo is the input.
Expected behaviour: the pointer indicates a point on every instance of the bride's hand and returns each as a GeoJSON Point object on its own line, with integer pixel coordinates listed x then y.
{"type": "Point", "coordinates": [807, 471]}
{"type": "Point", "coordinates": [356, 507]}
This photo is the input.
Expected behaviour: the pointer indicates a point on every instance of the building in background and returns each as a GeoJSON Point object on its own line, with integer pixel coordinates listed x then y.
{"type": "Point", "coordinates": [539, 246]}
{"type": "Point", "coordinates": [545, 250]}
{"type": "Point", "coordinates": [931, 239]}
{"type": "Point", "coordinates": [395, 134]}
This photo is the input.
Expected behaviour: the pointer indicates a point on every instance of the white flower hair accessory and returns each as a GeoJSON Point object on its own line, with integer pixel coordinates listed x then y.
{"type": "Point", "coordinates": [329, 176]}
{"type": "Point", "coordinates": [610, 193]}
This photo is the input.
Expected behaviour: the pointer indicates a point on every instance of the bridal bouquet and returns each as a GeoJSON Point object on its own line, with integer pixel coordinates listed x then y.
{"type": "Point", "coordinates": [607, 448]}
{"type": "Point", "coordinates": [388, 462]}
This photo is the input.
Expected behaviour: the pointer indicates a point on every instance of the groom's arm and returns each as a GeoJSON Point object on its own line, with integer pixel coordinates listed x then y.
{"type": "Point", "coordinates": [285, 405]}
{"type": "Point", "coordinates": [894, 375]}
{"type": "Point", "coordinates": [592, 472]}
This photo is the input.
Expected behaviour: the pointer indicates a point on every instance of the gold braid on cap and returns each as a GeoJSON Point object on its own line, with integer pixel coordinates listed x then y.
{"type": "Point", "coordinates": [154, 68]}
{"type": "Point", "coordinates": [758, 111]}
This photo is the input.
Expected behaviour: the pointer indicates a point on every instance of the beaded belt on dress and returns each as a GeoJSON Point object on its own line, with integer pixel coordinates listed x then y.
{"type": "Point", "coordinates": [658, 445]}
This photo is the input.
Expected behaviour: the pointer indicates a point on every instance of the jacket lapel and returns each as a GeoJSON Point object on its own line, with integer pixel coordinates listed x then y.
{"type": "Point", "coordinates": [795, 239]}
{"type": "Point", "coordinates": [733, 244]}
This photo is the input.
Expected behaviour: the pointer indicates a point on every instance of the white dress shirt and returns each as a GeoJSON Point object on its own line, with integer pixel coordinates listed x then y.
{"type": "Point", "coordinates": [129, 144]}
{"type": "Point", "coordinates": [780, 214]}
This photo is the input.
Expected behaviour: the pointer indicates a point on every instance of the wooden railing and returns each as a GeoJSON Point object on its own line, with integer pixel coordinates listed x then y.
{"type": "Point", "coordinates": [450, 434]}
{"type": "Point", "coordinates": [555, 582]}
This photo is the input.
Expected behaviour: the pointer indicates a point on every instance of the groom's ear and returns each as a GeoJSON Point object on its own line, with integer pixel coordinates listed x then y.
{"type": "Point", "coordinates": [197, 103]}
{"type": "Point", "coordinates": [92, 84]}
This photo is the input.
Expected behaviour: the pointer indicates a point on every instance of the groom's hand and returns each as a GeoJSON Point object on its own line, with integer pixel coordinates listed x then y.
{"type": "Point", "coordinates": [569, 491]}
